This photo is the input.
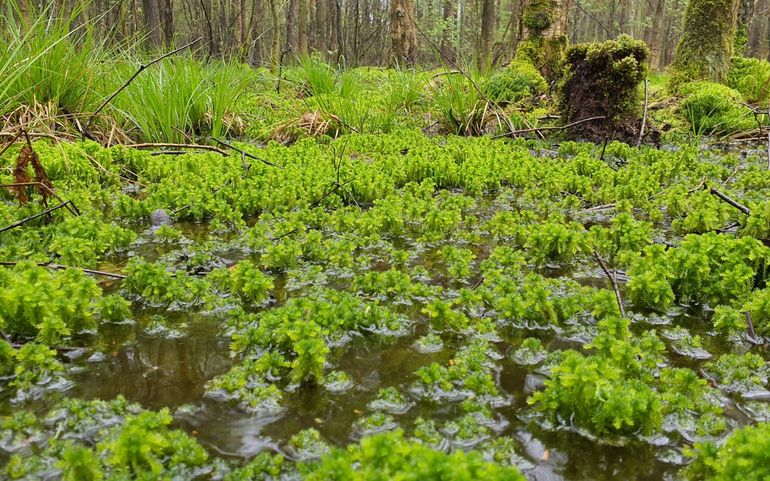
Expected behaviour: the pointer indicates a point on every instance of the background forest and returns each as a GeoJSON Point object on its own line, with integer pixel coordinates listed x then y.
{"type": "Point", "coordinates": [359, 32]}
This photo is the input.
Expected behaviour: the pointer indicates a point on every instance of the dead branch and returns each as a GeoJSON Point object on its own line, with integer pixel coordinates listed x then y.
{"type": "Point", "coordinates": [178, 146]}
{"type": "Point", "coordinates": [13, 141]}
{"type": "Point", "coordinates": [598, 208]}
{"type": "Point", "coordinates": [614, 282]}
{"type": "Point", "coordinates": [750, 326]}
{"type": "Point", "coordinates": [542, 129]}
{"type": "Point", "coordinates": [33, 217]}
{"type": "Point", "coordinates": [61, 267]}
{"type": "Point", "coordinates": [142, 68]}
{"type": "Point", "coordinates": [70, 205]}
{"type": "Point", "coordinates": [730, 201]}
{"type": "Point", "coordinates": [243, 152]}
{"type": "Point", "coordinates": [644, 117]}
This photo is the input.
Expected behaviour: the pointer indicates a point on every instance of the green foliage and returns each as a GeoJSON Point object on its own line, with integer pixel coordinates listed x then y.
{"type": "Point", "coordinates": [624, 236]}
{"type": "Point", "coordinates": [390, 456]}
{"type": "Point", "coordinates": [183, 98]}
{"type": "Point", "coordinates": [743, 456]}
{"type": "Point", "coordinates": [145, 448]}
{"type": "Point", "coordinates": [759, 307]}
{"type": "Point", "coordinates": [458, 261]}
{"type": "Point", "coordinates": [459, 105]}
{"type": "Point", "coordinates": [248, 385]}
{"type": "Point", "coordinates": [47, 63]}
{"type": "Point", "coordinates": [263, 467]}
{"type": "Point", "coordinates": [469, 373]}
{"type": "Point", "coordinates": [31, 364]}
{"type": "Point", "coordinates": [614, 392]}
{"type": "Point", "coordinates": [249, 282]}
{"type": "Point", "coordinates": [713, 109]}
{"type": "Point", "coordinates": [517, 81]}
{"type": "Point", "coordinates": [708, 268]}
{"type": "Point", "coordinates": [113, 308]}
{"type": "Point", "coordinates": [302, 328]}
{"type": "Point", "coordinates": [750, 77]}
{"type": "Point", "coordinates": [78, 463]}
{"type": "Point", "coordinates": [44, 304]}
{"type": "Point", "coordinates": [739, 372]}
{"type": "Point", "coordinates": [608, 392]}
{"type": "Point", "coordinates": [555, 241]}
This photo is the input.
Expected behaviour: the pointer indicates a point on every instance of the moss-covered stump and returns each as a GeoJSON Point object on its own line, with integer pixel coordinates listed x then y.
{"type": "Point", "coordinates": [544, 36]}
{"type": "Point", "coordinates": [602, 80]}
{"type": "Point", "coordinates": [706, 46]}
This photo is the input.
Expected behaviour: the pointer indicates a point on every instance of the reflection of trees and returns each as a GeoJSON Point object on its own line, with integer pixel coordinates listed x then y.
{"type": "Point", "coordinates": [158, 371]}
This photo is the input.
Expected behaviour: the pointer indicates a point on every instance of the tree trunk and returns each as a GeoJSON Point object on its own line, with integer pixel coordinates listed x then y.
{"type": "Point", "coordinates": [338, 30]}
{"type": "Point", "coordinates": [488, 21]}
{"type": "Point", "coordinates": [243, 32]}
{"type": "Point", "coordinates": [152, 22]}
{"type": "Point", "coordinates": [403, 32]}
{"type": "Point", "coordinates": [302, 25]}
{"type": "Point", "coordinates": [758, 28]}
{"type": "Point", "coordinates": [167, 18]}
{"type": "Point", "coordinates": [291, 25]}
{"type": "Point", "coordinates": [516, 8]}
{"type": "Point", "coordinates": [207, 11]}
{"type": "Point", "coordinates": [745, 10]}
{"type": "Point", "coordinates": [321, 26]}
{"type": "Point", "coordinates": [447, 29]}
{"type": "Point", "coordinates": [624, 17]}
{"type": "Point", "coordinates": [275, 48]}
{"type": "Point", "coordinates": [655, 35]}
{"type": "Point", "coordinates": [706, 46]}
{"type": "Point", "coordinates": [255, 33]}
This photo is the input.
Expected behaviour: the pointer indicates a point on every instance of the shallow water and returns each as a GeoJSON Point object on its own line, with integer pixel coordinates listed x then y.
{"type": "Point", "coordinates": [168, 364]}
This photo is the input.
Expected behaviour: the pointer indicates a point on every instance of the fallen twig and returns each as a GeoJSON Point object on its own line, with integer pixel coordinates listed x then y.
{"type": "Point", "coordinates": [768, 141]}
{"type": "Point", "coordinates": [542, 129]}
{"type": "Point", "coordinates": [178, 146]}
{"type": "Point", "coordinates": [33, 217]}
{"type": "Point", "coordinates": [614, 282]}
{"type": "Point", "coordinates": [141, 69]}
{"type": "Point", "coordinates": [730, 201]}
{"type": "Point", "coordinates": [243, 152]}
{"type": "Point", "coordinates": [61, 267]}
{"type": "Point", "coordinates": [750, 326]}
{"type": "Point", "coordinates": [644, 117]}
{"type": "Point", "coordinates": [13, 140]}
{"type": "Point", "coordinates": [598, 208]}
{"type": "Point", "coordinates": [70, 205]}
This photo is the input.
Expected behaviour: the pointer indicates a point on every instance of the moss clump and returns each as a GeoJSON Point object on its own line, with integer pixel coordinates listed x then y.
{"type": "Point", "coordinates": [518, 81]}
{"type": "Point", "coordinates": [750, 77]}
{"type": "Point", "coordinates": [713, 108]}
{"type": "Point", "coordinates": [706, 46]}
{"type": "Point", "coordinates": [538, 15]}
{"type": "Point", "coordinates": [745, 456]}
{"type": "Point", "coordinates": [602, 79]}
{"type": "Point", "coordinates": [392, 456]}
{"type": "Point", "coordinates": [545, 55]}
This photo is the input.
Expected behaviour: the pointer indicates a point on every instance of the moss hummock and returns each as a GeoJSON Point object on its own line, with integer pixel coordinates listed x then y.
{"type": "Point", "coordinates": [602, 79]}
{"type": "Point", "coordinates": [714, 109]}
